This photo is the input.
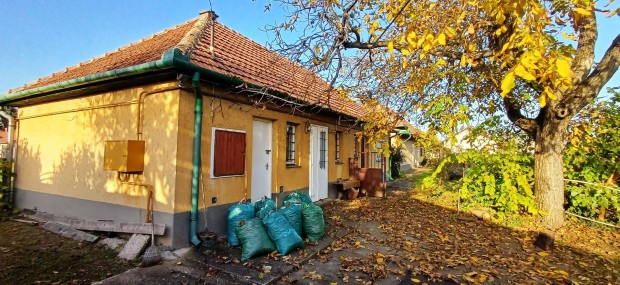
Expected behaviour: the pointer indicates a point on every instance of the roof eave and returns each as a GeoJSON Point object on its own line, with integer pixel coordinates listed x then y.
{"type": "Point", "coordinates": [171, 59]}
{"type": "Point", "coordinates": [165, 62]}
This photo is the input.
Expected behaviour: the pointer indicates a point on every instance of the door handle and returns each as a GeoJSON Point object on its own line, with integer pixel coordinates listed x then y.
{"type": "Point", "coordinates": [266, 166]}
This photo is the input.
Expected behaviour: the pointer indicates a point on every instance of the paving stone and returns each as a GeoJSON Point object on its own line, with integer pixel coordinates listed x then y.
{"type": "Point", "coordinates": [113, 243]}
{"type": "Point", "coordinates": [68, 232]}
{"type": "Point", "coordinates": [168, 255]}
{"type": "Point", "coordinates": [135, 246]}
{"type": "Point", "coordinates": [182, 251]}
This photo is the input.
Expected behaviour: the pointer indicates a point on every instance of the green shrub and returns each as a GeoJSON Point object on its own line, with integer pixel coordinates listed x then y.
{"type": "Point", "coordinates": [593, 155]}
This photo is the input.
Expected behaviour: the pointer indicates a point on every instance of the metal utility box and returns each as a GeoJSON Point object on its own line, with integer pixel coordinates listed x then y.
{"type": "Point", "coordinates": [124, 156]}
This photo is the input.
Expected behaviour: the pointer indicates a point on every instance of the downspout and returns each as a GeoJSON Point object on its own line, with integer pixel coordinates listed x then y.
{"type": "Point", "coordinates": [196, 161]}
{"type": "Point", "coordinates": [10, 155]}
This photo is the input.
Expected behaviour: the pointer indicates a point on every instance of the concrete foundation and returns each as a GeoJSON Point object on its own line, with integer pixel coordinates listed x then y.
{"type": "Point", "coordinates": [177, 225]}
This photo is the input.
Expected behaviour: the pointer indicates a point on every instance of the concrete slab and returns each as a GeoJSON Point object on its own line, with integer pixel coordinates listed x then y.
{"type": "Point", "coordinates": [168, 255]}
{"type": "Point", "coordinates": [183, 251]}
{"type": "Point", "coordinates": [113, 243]}
{"type": "Point", "coordinates": [134, 247]}
{"type": "Point", "coordinates": [155, 275]}
{"type": "Point", "coordinates": [68, 232]}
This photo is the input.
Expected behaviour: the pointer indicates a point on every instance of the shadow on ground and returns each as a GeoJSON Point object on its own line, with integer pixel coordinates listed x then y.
{"type": "Point", "coordinates": [402, 240]}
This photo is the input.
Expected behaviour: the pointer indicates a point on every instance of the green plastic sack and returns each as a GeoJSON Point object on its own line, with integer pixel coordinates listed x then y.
{"type": "Point", "coordinates": [298, 198]}
{"type": "Point", "coordinates": [281, 232]}
{"type": "Point", "coordinates": [236, 213]}
{"type": "Point", "coordinates": [313, 223]}
{"type": "Point", "coordinates": [292, 213]}
{"type": "Point", "coordinates": [263, 207]}
{"type": "Point", "coordinates": [254, 239]}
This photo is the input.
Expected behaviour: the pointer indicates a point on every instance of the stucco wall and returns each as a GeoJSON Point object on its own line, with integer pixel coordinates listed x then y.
{"type": "Point", "coordinates": [61, 147]}
{"type": "Point", "coordinates": [220, 113]}
{"type": "Point", "coordinates": [411, 154]}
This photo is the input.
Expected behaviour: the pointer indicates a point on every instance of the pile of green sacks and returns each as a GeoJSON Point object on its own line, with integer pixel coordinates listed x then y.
{"type": "Point", "coordinates": [260, 229]}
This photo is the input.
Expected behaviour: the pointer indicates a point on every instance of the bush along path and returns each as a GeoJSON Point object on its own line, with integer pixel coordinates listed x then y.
{"type": "Point", "coordinates": [403, 240]}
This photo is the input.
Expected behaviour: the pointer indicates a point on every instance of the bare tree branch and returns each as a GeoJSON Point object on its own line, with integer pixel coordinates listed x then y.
{"type": "Point", "coordinates": [399, 46]}
{"type": "Point", "coordinates": [584, 55]}
{"type": "Point", "coordinates": [585, 92]}
{"type": "Point", "coordinates": [513, 111]}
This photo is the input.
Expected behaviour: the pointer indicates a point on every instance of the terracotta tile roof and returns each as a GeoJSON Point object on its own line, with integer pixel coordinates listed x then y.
{"type": "Point", "coordinates": [238, 56]}
{"type": "Point", "coordinates": [145, 50]}
{"type": "Point", "coordinates": [234, 55]}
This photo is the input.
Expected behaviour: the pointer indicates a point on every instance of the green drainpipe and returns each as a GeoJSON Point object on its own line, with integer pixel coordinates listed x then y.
{"type": "Point", "coordinates": [193, 233]}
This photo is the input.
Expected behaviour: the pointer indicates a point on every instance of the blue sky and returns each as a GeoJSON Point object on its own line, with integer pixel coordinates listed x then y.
{"type": "Point", "coordinates": [40, 37]}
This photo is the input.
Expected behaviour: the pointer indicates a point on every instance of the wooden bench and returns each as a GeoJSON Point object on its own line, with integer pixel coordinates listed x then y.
{"type": "Point", "coordinates": [350, 188]}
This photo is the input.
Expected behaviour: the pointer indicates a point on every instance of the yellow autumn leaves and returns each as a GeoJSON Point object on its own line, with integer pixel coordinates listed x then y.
{"type": "Point", "coordinates": [552, 74]}
{"type": "Point", "coordinates": [530, 53]}
{"type": "Point", "coordinates": [527, 52]}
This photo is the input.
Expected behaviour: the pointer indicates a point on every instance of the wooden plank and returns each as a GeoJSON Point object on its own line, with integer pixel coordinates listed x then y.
{"type": "Point", "coordinates": [109, 226]}
{"type": "Point", "coordinates": [32, 223]}
{"type": "Point", "coordinates": [346, 184]}
{"type": "Point", "coordinates": [102, 226]}
{"type": "Point", "coordinates": [68, 232]}
{"type": "Point", "coordinates": [46, 217]}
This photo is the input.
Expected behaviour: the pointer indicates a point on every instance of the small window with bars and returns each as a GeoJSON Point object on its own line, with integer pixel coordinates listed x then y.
{"type": "Point", "coordinates": [322, 149]}
{"type": "Point", "coordinates": [337, 149]}
{"type": "Point", "coordinates": [290, 143]}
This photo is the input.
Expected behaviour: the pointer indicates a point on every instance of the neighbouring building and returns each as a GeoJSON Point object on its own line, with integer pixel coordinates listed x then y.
{"type": "Point", "coordinates": [406, 137]}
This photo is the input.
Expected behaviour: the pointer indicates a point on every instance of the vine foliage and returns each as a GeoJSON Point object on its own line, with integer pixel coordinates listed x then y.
{"type": "Point", "coordinates": [593, 155]}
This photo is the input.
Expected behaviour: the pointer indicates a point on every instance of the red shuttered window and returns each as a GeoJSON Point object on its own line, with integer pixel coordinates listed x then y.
{"type": "Point", "coordinates": [228, 153]}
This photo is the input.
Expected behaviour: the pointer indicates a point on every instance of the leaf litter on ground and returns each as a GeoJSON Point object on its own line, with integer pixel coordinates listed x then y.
{"type": "Point", "coordinates": [423, 239]}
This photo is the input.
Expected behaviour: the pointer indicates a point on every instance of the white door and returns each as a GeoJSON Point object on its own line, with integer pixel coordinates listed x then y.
{"type": "Point", "coordinates": [318, 162]}
{"type": "Point", "coordinates": [261, 160]}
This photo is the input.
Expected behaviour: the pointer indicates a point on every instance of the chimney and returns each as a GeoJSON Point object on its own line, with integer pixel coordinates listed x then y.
{"type": "Point", "coordinates": [213, 17]}
{"type": "Point", "coordinates": [212, 14]}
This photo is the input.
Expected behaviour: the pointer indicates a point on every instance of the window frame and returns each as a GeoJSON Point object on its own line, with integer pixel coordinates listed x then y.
{"type": "Point", "coordinates": [212, 158]}
{"type": "Point", "coordinates": [323, 156]}
{"type": "Point", "coordinates": [291, 160]}
{"type": "Point", "coordinates": [337, 144]}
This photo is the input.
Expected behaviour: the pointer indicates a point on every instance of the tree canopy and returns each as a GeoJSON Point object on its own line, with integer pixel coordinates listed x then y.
{"type": "Point", "coordinates": [454, 62]}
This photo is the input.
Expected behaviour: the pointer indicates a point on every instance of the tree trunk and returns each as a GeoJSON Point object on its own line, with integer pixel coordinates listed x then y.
{"type": "Point", "coordinates": [549, 172]}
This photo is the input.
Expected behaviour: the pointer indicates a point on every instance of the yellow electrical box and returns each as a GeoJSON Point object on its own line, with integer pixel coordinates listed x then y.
{"type": "Point", "coordinates": [124, 156]}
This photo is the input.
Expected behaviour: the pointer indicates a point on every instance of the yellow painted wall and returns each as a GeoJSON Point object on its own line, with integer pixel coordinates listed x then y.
{"type": "Point", "coordinates": [219, 113]}
{"type": "Point", "coordinates": [60, 149]}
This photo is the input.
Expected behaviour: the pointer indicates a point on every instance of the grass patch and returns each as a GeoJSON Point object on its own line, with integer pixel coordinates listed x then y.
{"type": "Point", "coordinates": [32, 255]}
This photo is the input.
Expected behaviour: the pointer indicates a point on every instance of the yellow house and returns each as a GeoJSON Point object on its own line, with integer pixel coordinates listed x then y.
{"type": "Point", "coordinates": [198, 115]}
